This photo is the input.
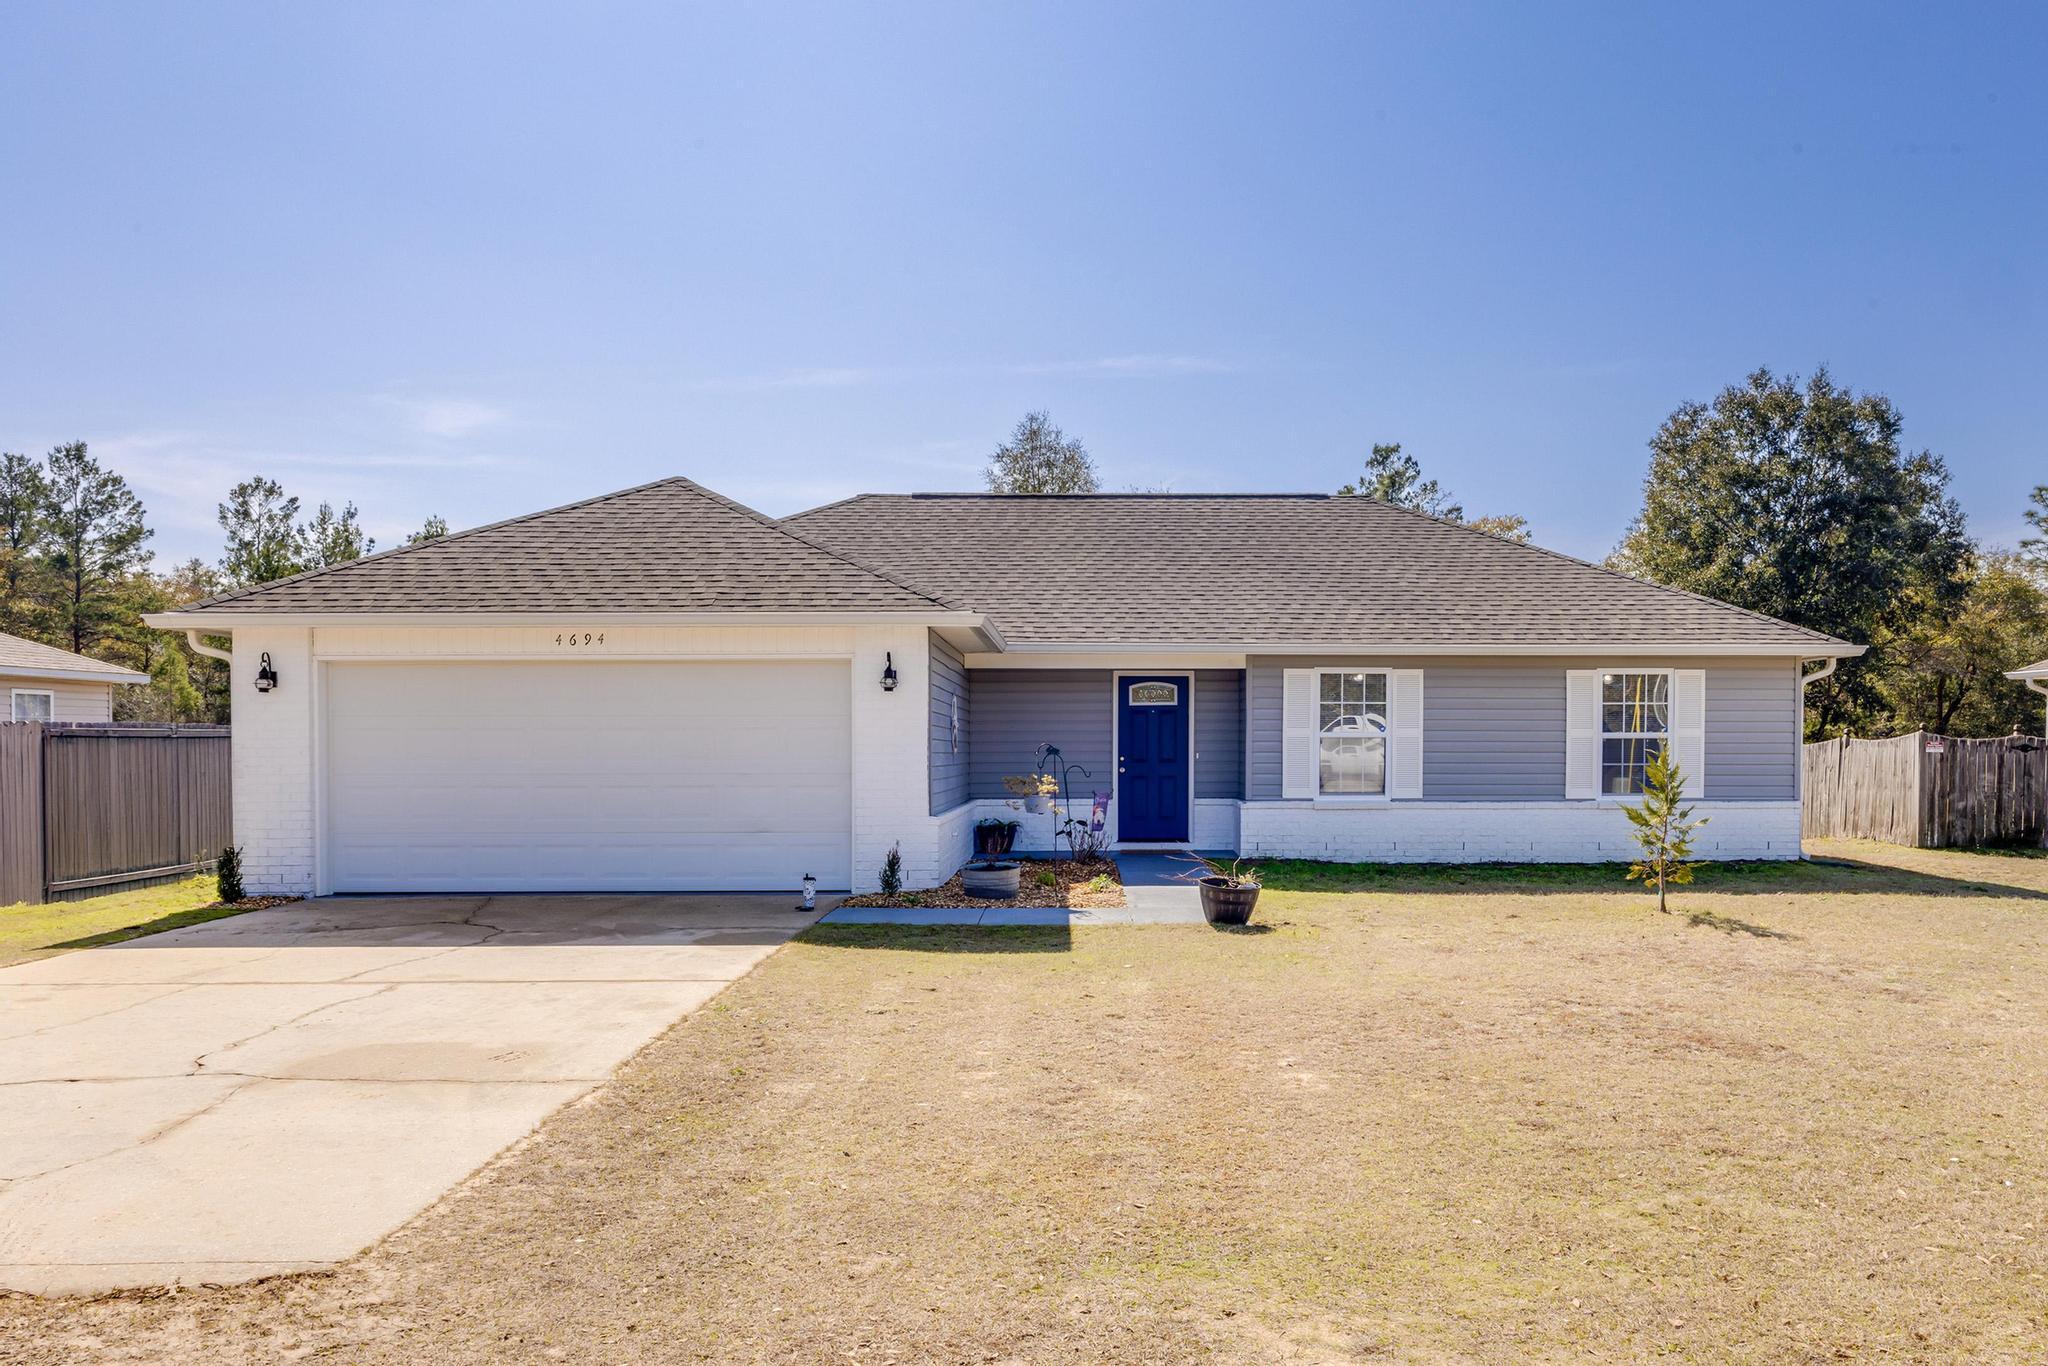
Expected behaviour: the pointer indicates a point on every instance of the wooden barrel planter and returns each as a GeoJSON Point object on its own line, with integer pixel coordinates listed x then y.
{"type": "Point", "coordinates": [1223, 904]}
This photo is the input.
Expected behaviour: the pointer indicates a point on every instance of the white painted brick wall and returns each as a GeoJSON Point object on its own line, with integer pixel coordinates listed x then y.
{"type": "Point", "coordinates": [1215, 822]}
{"type": "Point", "coordinates": [1479, 832]}
{"type": "Point", "coordinates": [272, 758]}
{"type": "Point", "coordinates": [891, 741]}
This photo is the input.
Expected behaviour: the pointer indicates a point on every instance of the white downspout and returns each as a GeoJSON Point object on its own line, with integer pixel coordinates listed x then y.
{"type": "Point", "coordinates": [201, 647]}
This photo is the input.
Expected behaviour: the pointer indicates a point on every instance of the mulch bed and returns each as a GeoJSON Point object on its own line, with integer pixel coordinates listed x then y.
{"type": "Point", "coordinates": [253, 903]}
{"type": "Point", "coordinates": [1067, 886]}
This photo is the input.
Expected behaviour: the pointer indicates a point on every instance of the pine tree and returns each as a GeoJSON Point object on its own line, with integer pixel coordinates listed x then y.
{"type": "Point", "coordinates": [93, 543]}
{"type": "Point", "coordinates": [1663, 826]}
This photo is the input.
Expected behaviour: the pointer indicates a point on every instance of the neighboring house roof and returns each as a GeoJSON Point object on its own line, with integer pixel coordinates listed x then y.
{"type": "Point", "coordinates": [669, 546]}
{"type": "Point", "coordinates": [27, 659]}
{"type": "Point", "coordinates": [1239, 570]}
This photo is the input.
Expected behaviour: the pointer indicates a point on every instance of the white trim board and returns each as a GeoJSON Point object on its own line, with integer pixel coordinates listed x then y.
{"type": "Point", "coordinates": [1560, 649]}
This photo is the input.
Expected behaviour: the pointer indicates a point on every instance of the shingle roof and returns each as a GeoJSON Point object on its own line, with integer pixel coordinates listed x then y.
{"type": "Point", "coordinates": [1184, 569]}
{"type": "Point", "coordinates": [17, 654]}
{"type": "Point", "coordinates": [669, 546]}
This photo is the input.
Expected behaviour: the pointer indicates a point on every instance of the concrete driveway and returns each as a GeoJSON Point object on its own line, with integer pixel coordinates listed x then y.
{"type": "Point", "coordinates": [275, 1091]}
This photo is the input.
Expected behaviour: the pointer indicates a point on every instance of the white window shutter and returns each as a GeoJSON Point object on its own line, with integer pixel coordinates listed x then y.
{"type": "Point", "coordinates": [1404, 740]}
{"type": "Point", "coordinates": [1298, 733]}
{"type": "Point", "coordinates": [1689, 728]}
{"type": "Point", "coordinates": [1581, 733]}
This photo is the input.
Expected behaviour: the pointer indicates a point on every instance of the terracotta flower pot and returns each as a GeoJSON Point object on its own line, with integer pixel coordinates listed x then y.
{"type": "Point", "coordinates": [990, 881]}
{"type": "Point", "coordinates": [1223, 904]}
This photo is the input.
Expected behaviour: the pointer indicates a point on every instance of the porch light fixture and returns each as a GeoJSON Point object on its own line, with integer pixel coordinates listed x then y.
{"type": "Point", "coordinates": [889, 671]}
{"type": "Point", "coordinates": [266, 677]}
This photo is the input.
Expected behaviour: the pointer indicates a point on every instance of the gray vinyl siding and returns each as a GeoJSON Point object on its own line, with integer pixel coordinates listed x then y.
{"type": "Point", "coordinates": [1493, 730]}
{"type": "Point", "coordinates": [1754, 731]}
{"type": "Point", "coordinates": [1017, 710]}
{"type": "Point", "coordinates": [1219, 733]}
{"type": "Point", "coordinates": [948, 763]}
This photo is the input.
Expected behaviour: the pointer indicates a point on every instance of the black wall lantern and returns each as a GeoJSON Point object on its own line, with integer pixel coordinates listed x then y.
{"type": "Point", "coordinates": [266, 677]}
{"type": "Point", "coordinates": [889, 671]}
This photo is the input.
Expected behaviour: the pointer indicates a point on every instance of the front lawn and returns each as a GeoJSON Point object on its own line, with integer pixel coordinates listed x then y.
{"type": "Point", "coordinates": [28, 932]}
{"type": "Point", "coordinates": [1415, 1115]}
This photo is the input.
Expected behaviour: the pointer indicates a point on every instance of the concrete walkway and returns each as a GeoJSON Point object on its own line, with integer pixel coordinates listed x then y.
{"type": "Point", "coordinates": [276, 1091]}
{"type": "Point", "coordinates": [1152, 896]}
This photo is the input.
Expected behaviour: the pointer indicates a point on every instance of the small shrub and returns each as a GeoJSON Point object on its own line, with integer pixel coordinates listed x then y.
{"type": "Point", "coordinates": [1102, 882]}
{"type": "Point", "coordinates": [892, 870]}
{"type": "Point", "coordinates": [227, 874]}
{"type": "Point", "coordinates": [1046, 877]}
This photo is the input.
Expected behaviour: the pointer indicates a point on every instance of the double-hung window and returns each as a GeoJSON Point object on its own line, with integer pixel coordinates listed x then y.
{"type": "Point", "coordinates": [1351, 733]}
{"type": "Point", "coordinates": [1635, 723]}
{"type": "Point", "coordinates": [34, 704]}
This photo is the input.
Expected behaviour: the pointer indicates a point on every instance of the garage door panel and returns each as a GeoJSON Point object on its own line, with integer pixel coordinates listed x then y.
{"type": "Point", "coordinates": [601, 776]}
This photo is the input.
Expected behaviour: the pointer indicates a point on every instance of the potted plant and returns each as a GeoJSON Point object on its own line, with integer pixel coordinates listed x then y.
{"type": "Point", "coordinates": [990, 879]}
{"type": "Point", "coordinates": [1229, 891]}
{"type": "Point", "coordinates": [1033, 789]}
{"type": "Point", "coordinates": [993, 838]}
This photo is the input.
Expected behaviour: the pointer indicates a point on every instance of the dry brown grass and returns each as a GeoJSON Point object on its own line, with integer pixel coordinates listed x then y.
{"type": "Point", "coordinates": [1510, 1122]}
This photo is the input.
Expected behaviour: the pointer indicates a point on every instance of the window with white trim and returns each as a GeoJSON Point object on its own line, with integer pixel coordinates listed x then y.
{"type": "Point", "coordinates": [34, 704]}
{"type": "Point", "coordinates": [1635, 723]}
{"type": "Point", "coordinates": [1351, 733]}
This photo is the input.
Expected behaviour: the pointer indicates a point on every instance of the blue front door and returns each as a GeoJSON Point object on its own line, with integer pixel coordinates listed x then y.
{"type": "Point", "coordinates": [1152, 763]}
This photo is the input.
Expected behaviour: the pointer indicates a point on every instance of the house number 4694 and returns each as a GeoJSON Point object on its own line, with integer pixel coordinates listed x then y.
{"type": "Point", "coordinates": [568, 638]}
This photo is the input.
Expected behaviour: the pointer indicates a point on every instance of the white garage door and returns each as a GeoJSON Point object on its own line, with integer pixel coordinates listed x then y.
{"type": "Point", "coordinates": [587, 776]}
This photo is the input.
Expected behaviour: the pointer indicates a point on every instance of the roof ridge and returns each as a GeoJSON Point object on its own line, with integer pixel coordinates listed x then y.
{"type": "Point", "coordinates": [765, 520]}
{"type": "Point", "coordinates": [1601, 568]}
{"type": "Point", "coordinates": [969, 494]}
{"type": "Point", "coordinates": [234, 594]}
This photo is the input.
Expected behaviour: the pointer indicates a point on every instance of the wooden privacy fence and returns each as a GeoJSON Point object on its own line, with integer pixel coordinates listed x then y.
{"type": "Point", "coordinates": [1933, 791]}
{"type": "Point", "coordinates": [88, 807]}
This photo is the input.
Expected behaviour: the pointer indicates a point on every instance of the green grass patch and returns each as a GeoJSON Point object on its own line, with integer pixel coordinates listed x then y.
{"type": "Point", "coordinates": [28, 932]}
{"type": "Point", "coordinates": [1306, 875]}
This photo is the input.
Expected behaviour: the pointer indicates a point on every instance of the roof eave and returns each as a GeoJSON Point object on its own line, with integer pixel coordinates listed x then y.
{"type": "Point", "coordinates": [127, 676]}
{"type": "Point", "coordinates": [1818, 649]}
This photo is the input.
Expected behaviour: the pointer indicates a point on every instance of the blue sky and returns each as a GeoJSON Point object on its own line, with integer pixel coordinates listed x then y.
{"type": "Point", "coordinates": [478, 260]}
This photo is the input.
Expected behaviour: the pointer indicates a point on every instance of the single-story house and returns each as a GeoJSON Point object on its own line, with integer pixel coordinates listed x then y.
{"type": "Point", "coordinates": [661, 689]}
{"type": "Point", "coordinates": [42, 683]}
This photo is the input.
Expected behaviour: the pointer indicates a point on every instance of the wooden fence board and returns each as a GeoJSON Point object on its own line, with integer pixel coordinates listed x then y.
{"type": "Point", "coordinates": [1962, 793]}
{"type": "Point", "coordinates": [21, 812]}
{"type": "Point", "coordinates": [114, 804]}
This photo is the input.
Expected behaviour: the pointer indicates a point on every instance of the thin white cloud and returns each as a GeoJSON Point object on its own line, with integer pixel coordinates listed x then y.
{"type": "Point", "coordinates": [448, 417]}
{"type": "Point", "coordinates": [183, 476]}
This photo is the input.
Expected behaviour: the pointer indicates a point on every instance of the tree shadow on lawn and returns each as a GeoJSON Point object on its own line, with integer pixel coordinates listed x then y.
{"type": "Point", "coordinates": [1729, 924]}
{"type": "Point", "coordinates": [1818, 876]}
{"type": "Point", "coordinates": [943, 938]}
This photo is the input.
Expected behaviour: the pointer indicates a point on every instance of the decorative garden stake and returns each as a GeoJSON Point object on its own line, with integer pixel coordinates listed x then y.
{"type": "Point", "coordinates": [1663, 827]}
